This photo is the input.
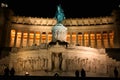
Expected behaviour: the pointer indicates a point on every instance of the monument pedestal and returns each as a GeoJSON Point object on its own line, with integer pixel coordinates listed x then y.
{"type": "Point", "coordinates": [56, 61]}
{"type": "Point", "coordinates": [56, 57]}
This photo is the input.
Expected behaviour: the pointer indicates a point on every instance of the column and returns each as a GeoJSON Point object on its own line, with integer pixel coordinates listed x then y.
{"type": "Point", "coordinates": [102, 42]}
{"type": "Point", "coordinates": [34, 39]}
{"type": "Point", "coordinates": [21, 43]}
{"type": "Point", "coordinates": [83, 39]}
{"type": "Point", "coordinates": [76, 37]}
{"type": "Point", "coordinates": [28, 38]}
{"type": "Point", "coordinates": [15, 38]}
{"type": "Point", "coordinates": [95, 40]}
{"type": "Point", "coordinates": [70, 37]}
{"type": "Point", "coordinates": [40, 38]}
{"type": "Point", "coordinates": [89, 39]}
{"type": "Point", "coordinates": [46, 37]}
{"type": "Point", "coordinates": [108, 39]}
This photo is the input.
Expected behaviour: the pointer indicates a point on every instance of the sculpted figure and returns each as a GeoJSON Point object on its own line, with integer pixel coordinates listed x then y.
{"type": "Point", "coordinates": [59, 31]}
{"type": "Point", "coordinates": [59, 14]}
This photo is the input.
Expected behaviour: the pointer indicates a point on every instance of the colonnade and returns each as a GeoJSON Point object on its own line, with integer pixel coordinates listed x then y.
{"type": "Point", "coordinates": [103, 39]}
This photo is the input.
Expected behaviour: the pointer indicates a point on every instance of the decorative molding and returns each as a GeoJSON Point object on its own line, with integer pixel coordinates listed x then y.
{"type": "Point", "coordinates": [70, 21]}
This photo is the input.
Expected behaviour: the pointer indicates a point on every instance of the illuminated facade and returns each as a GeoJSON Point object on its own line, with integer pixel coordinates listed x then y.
{"type": "Point", "coordinates": [86, 37]}
{"type": "Point", "coordinates": [96, 32]}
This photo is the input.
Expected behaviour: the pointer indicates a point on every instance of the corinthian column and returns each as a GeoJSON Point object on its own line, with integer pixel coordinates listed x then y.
{"type": "Point", "coordinates": [46, 37]}
{"type": "Point", "coordinates": [28, 38]}
{"type": "Point", "coordinates": [15, 39]}
{"type": "Point", "coordinates": [89, 39]}
{"type": "Point", "coordinates": [70, 37]}
{"type": "Point", "coordinates": [108, 39]}
{"type": "Point", "coordinates": [34, 39]}
{"type": "Point", "coordinates": [76, 37]}
{"type": "Point", "coordinates": [82, 38]}
{"type": "Point", "coordinates": [21, 42]}
{"type": "Point", "coordinates": [102, 42]}
{"type": "Point", "coordinates": [40, 38]}
{"type": "Point", "coordinates": [95, 40]}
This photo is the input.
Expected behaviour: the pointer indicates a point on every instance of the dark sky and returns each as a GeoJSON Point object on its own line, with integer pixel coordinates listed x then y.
{"type": "Point", "coordinates": [72, 8]}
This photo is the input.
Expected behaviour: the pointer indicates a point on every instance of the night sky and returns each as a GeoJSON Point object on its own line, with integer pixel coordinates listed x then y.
{"type": "Point", "coordinates": [72, 8]}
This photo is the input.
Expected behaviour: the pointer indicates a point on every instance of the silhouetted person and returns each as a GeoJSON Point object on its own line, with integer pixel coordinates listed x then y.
{"type": "Point", "coordinates": [56, 74]}
{"type": "Point", "coordinates": [12, 72]}
{"type": "Point", "coordinates": [6, 72]}
{"type": "Point", "coordinates": [115, 72]}
{"type": "Point", "coordinates": [26, 73]}
{"type": "Point", "coordinates": [76, 73]}
{"type": "Point", "coordinates": [83, 73]}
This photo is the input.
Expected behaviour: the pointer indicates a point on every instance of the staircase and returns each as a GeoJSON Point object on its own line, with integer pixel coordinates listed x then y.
{"type": "Point", "coordinates": [111, 58]}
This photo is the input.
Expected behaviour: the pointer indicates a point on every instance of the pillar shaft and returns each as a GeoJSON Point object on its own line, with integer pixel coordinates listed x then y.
{"type": "Point", "coordinates": [40, 38]}
{"type": "Point", "coordinates": [108, 39]}
{"type": "Point", "coordinates": [28, 37]}
{"type": "Point", "coordinates": [76, 37]}
{"type": "Point", "coordinates": [34, 38]}
{"type": "Point", "coordinates": [46, 37]}
{"type": "Point", "coordinates": [89, 39]}
{"type": "Point", "coordinates": [15, 39]}
{"type": "Point", "coordinates": [21, 42]}
{"type": "Point", "coordinates": [95, 40]}
{"type": "Point", "coordinates": [70, 37]}
{"type": "Point", "coordinates": [102, 41]}
{"type": "Point", "coordinates": [83, 39]}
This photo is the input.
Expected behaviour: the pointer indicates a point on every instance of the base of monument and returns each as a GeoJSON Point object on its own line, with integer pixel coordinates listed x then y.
{"type": "Point", "coordinates": [61, 60]}
{"type": "Point", "coordinates": [60, 73]}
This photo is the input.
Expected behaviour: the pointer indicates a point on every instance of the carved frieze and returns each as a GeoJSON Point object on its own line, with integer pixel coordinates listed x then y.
{"type": "Point", "coordinates": [71, 21]}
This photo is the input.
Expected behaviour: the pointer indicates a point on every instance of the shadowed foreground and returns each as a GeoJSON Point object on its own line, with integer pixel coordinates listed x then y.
{"type": "Point", "coordinates": [55, 78]}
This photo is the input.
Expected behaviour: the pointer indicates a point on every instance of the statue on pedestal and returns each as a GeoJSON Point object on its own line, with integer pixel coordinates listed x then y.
{"type": "Point", "coordinates": [59, 34]}
{"type": "Point", "coordinates": [59, 31]}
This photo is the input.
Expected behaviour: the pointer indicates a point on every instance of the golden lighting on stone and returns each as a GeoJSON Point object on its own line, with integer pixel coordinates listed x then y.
{"type": "Point", "coordinates": [83, 39]}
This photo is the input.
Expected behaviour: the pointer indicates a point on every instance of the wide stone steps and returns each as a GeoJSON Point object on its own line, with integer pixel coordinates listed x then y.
{"type": "Point", "coordinates": [5, 61]}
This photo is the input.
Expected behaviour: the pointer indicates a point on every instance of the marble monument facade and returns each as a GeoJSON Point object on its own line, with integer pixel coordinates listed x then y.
{"type": "Point", "coordinates": [29, 37]}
